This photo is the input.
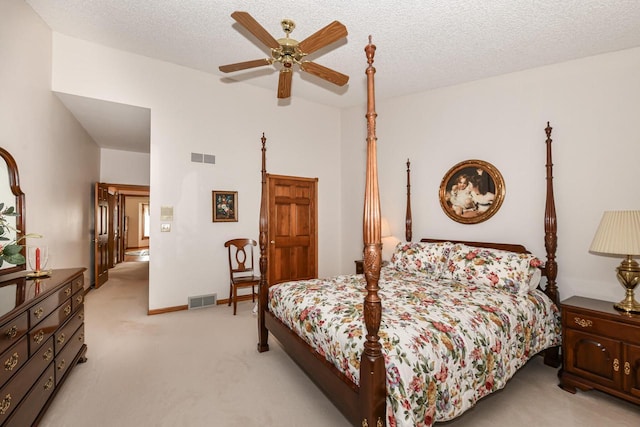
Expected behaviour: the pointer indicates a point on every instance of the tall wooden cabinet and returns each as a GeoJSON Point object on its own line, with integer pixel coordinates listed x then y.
{"type": "Point", "coordinates": [601, 348]}
{"type": "Point", "coordinates": [41, 340]}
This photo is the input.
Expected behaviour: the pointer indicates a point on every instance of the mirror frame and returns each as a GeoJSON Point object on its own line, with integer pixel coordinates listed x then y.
{"type": "Point", "coordinates": [14, 184]}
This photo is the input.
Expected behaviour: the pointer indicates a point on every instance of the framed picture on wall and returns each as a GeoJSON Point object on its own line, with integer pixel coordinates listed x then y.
{"type": "Point", "coordinates": [472, 191]}
{"type": "Point", "coordinates": [225, 206]}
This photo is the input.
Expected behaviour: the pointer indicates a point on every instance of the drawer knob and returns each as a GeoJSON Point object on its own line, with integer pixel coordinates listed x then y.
{"type": "Point", "coordinates": [11, 362]}
{"type": "Point", "coordinates": [38, 337]}
{"type": "Point", "coordinates": [79, 299]}
{"type": "Point", "coordinates": [61, 365]}
{"type": "Point", "coordinates": [5, 404]}
{"type": "Point", "coordinates": [627, 368]}
{"type": "Point", "coordinates": [67, 291]}
{"type": "Point", "coordinates": [61, 338]}
{"type": "Point", "coordinates": [48, 384]}
{"type": "Point", "coordinates": [48, 354]}
{"type": "Point", "coordinates": [616, 365]}
{"type": "Point", "coordinates": [12, 332]}
{"type": "Point", "coordinates": [584, 323]}
{"type": "Point", "coordinates": [67, 310]}
{"type": "Point", "coordinates": [38, 312]}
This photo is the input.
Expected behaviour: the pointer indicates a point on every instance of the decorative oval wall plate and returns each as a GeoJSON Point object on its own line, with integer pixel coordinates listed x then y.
{"type": "Point", "coordinates": [472, 191]}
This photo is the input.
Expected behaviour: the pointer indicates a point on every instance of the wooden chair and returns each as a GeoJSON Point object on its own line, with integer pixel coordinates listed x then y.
{"type": "Point", "coordinates": [241, 268]}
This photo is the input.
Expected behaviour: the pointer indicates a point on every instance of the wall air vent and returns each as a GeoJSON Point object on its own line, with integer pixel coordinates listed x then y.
{"type": "Point", "coordinates": [203, 301]}
{"type": "Point", "coordinates": [203, 158]}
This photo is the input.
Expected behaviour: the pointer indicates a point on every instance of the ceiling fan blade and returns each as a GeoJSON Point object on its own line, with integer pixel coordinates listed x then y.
{"type": "Point", "coordinates": [284, 83]}
{"type": "Point", "coordinates": [325, 73]}
{"type": "Point", "coordinates": [247, 21]}
{"type": "Point", "coordinates": [244, 65]}
{"type": "Point", "coordinates": [327, 35]}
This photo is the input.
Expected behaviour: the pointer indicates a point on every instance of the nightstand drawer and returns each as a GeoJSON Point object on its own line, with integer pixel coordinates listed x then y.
{"type": "Point", "coordinates": [590, 323]}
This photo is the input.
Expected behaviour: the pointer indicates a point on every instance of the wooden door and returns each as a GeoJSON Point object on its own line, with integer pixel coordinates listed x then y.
{"type": "Point", "coordinates": [101, 235]}
{"type": "Point", "coordinates": [293, 240]}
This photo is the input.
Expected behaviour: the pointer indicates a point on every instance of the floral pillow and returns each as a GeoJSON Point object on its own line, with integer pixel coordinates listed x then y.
{"type": "Point", "coordinates": [423, 257]}
{"type": "Point", "coordinates": [515, 272]}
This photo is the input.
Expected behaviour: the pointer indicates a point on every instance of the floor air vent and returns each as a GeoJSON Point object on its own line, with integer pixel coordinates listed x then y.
{"type": "Point", "coordinates": [203, 301]}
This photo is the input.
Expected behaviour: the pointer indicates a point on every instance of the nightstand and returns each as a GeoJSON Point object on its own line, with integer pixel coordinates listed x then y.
{"type": "Point", "coordinates": [360, 265]}
{"type": "Point", "coordinates": [601, 348]}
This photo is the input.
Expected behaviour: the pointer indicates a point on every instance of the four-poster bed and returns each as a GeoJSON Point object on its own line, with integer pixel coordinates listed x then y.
{"type": "Point", "coordinates": [394, 369]}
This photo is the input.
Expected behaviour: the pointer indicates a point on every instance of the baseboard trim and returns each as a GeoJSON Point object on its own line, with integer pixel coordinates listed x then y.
{"type": "Point", "coordinates": [167, 309]}
{"type": "Point", "coordinates": [186, 307]}
{"type": "Point", "coordinates": [240, 298]}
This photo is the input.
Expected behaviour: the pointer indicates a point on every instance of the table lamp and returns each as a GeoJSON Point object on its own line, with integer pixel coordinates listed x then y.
{"type": "Point", "coordinates": [619, 234]}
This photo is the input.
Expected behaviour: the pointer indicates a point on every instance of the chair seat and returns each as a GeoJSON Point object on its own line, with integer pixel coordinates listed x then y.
{"type": "Point", "coordinates": [246, 280]}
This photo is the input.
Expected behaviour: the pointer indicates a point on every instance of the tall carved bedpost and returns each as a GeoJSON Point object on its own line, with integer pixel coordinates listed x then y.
{"type": "Point", "coordinates": [551, 355]}
{"type": "Point", "coordinates": [372, 369]}
{"type": "Point", "coordinates": [550, 226]}
{"type": "Point", "coordinates": [263, 287]}
{"type": "Point", "coordinates": [408, 222]}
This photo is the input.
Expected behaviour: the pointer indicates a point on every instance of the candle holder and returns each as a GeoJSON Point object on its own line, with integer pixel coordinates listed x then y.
{"type": "Point", "coordinates": [38, 261]}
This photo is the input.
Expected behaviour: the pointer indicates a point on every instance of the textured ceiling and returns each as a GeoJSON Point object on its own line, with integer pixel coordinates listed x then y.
{"type": "Point", "coordinates": [421, 44]}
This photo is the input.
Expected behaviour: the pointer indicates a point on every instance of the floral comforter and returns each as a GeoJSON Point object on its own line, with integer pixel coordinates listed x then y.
{"type": "Point", "coordinates": [446, 345]}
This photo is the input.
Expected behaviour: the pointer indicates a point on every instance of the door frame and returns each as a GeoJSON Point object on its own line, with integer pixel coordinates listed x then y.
{"type": "Point", "coordinates": [121, 191]}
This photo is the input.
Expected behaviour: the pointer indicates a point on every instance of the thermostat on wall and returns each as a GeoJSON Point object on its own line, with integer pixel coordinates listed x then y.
{"type": "Point", "coordinates": [166, 213]}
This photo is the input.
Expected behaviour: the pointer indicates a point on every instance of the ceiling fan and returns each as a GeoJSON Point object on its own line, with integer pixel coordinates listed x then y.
{"type": "Point", "coordinates": [288, 51]}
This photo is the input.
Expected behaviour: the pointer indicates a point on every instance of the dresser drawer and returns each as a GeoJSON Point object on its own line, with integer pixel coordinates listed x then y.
{"type": "Point", "coordinates": [13, 359]}
{"type": "Point", "coordinates": [65, 359]}
{"type": "Point", "coordinates": [77, 300]}
{"type": "Point", "coordinates": [77, 284]}
{"type": "Point", "coordinates": [593, 324]}
{"type": "Point", "coordinates": [13, 330]}
{"type": "Point", "coordinates": [13, 392]}
{"type": "Point", "coordinates": [41, 310]}
{"type": "Point", "coordinates": [63, 335]}
{"type": "Point", "coordinates": [48, 326]}
{"type": "Point", "coordinates": [32, 404]}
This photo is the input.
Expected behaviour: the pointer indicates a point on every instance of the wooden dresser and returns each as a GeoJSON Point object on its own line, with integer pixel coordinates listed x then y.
{"type": "Point", "coordinates": [41, 340]}
{"type": "Point", "coordinates": [601, 348]}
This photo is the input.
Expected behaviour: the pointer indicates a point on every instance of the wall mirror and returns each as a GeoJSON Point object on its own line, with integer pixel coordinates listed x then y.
{"type": "Point", "coordinates": [11, 195]}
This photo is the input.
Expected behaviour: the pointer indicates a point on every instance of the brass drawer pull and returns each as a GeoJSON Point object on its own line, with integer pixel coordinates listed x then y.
{"type": "Point", "coordinates": [37, 338]}
{"type": "Point", "coordinates": [48, 384]}
{"type": "Point", "coordinates": [67, 291]}
{"type": "Point", "coordinates": [61, 365]}
{"type": "Point", "coordinates": [38, 312]}
{"type": "Point", "coordinates": [5, 404]}
{"type": "Point", "coordinates": [12, 332]}
{"type": "Point", "coordinates": [11, 362]}
{"type": "Point", "coordinates": [81, 337]}
{"type": "Point", "coordinates": [616, 365]}
{"type": "Point", "coordinates": [67, 310]}
{"type": "Point", "coordinates": [61, 338]}
{"type": "Point", "coordinates": [79, 299]}
{"type": "Point", "coordinates": [48, 354]}
{"type": "Point", "coordinates": [583, 322]}
{"type": "Point", "coordinates": [627, 368]}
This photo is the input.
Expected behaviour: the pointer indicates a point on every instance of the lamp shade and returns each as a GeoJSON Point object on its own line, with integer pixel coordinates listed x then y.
{"type": "Point", "coordinates": [618, 233]}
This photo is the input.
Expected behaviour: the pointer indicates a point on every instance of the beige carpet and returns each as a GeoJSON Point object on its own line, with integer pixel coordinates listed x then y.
{"type": "Point", "coordinates": [201, 368]}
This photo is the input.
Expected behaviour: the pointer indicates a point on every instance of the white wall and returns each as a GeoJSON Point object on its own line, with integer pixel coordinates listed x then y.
{"type": "Point", "coordinates": [193, 111]}
{"type": "Point", "coordinates": [124, 167]}
{"type": "Point", "coordinates": [592, 105]}
{"type": "Point", "coordinates": [58, 162]}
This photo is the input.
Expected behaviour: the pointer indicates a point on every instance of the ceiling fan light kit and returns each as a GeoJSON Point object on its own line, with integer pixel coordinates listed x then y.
{"type": "Point", "coordinates": [288, 51]}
